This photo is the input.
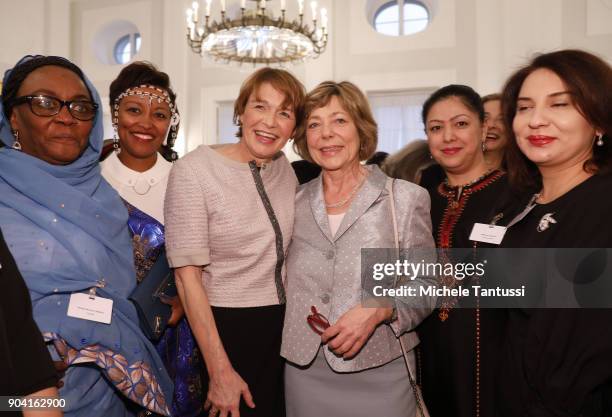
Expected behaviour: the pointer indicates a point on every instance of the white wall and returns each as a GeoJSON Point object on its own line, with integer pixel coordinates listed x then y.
{"type": "Point", "coordinates": [33, 27]}
{"type": "Point", "coordinates": [475, 42]}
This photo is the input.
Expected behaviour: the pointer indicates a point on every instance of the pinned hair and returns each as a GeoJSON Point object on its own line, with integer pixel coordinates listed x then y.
{"type": "Point", "coordinates": [144, 73]}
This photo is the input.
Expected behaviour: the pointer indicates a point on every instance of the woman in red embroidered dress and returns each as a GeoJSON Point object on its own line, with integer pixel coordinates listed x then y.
{"type": "Point", "coordinates": [455, 342]}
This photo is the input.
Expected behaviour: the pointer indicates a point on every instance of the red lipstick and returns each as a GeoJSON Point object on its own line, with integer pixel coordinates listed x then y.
{"type": "Point", "coordinates": [540, 140]}
{"type": "Point", "coordinates": [450, 151]}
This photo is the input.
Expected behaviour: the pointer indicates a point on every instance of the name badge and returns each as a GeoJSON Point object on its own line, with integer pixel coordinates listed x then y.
{"type": "Point", "coordinates": [93, 308]}
{"type": "Point", "coordinates": [488, 233]}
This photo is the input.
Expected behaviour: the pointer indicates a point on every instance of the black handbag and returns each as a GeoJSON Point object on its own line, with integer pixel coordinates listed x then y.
{"type": "Point", "coordinates": [153, 314]}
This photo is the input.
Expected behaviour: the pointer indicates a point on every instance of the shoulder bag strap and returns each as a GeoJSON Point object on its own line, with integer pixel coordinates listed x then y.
{"type": "Point", "coordinates": [420, 408]}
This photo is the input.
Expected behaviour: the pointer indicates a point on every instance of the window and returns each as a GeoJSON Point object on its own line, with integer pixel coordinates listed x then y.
{"type": "Point", "coordinates": [398, 115]}
{"type": "Point", "coordinates": [226, 129]}
{"type": "Point", "coordinates": [401, 17]}
{"type": "Point", "coordinates": [126, 48]}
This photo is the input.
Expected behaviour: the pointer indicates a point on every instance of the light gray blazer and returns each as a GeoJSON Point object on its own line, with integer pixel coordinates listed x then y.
{"type": "Point", "coordinates": [324, 271]}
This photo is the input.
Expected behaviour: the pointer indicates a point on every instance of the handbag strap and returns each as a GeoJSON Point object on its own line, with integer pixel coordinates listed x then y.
{"type": "Point", "coordinates": [413, 384]}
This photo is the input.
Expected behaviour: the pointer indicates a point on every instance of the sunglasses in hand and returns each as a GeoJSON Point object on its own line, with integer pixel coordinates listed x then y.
{"type": "Point", "coordinates": [317, 321]}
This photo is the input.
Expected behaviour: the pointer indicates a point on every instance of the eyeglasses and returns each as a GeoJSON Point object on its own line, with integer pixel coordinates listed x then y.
{"type": "Point", "coordinates": [47, 106]}
{"type": "Point", "coordinates": [317, 321]}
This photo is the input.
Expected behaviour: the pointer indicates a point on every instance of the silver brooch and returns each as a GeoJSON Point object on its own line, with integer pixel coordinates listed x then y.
{"type": "Point", "coordinates": [545, 222]}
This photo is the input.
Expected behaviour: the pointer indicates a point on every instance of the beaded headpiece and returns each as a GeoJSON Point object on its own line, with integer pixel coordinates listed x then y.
{"type": "Point", "coordinates": [160, 95]}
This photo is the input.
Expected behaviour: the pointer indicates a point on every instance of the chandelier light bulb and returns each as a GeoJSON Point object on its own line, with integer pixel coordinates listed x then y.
{"type": "Point", "coordinates": [283, 5]}
{"type": "Point", "coordinates": [243, 4]}
{"type": "Point", "coordinates": [324, 18]}
{"type": "Point", "coordinates": [313, 7]}
{"type": "Point", "coordinates": [301, 6]}
{"type": "Point", "coordinates": [269, 49]}
{"type": "Point", "coordinates": [208, 7]}
{"type": "Point", "coordinates": [223, 6]}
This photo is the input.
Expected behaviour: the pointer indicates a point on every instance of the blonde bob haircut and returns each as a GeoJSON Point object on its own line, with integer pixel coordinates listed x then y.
{"type": "Point", "coordinates": [281, 80]}
{"type": "Point", "coordinates": [354, 102]}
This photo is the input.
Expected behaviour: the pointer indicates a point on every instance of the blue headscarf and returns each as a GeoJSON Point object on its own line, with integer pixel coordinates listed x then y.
{"type": "Point", "coordinates": [67, 229]}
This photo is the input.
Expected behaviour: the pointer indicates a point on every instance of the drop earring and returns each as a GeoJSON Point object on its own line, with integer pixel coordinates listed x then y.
{"type": "Point", "coordinates": [116, 147]}
{"type": "Point", "coordinates": [484, 146]}
{"type": "Point", "coordinates": [16, 144]}
{"type": "Point", "coordinates": [600, 141]}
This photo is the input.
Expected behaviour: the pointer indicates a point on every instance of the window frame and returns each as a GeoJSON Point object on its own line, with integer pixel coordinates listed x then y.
{"type": "Point", "coordinates": [131, 39]}
{"type": "Point", "coordinates": [400, 4]}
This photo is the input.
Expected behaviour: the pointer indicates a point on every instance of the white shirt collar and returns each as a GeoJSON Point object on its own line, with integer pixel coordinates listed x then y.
{"type": "Point", "coordinates": [131, 178]}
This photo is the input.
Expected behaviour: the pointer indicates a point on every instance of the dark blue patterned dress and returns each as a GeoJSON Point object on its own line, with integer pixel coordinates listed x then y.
{"type": "Point", "coordinates": [177, 347]}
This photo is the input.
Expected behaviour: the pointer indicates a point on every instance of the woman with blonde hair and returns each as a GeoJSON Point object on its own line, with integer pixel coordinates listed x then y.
{"type": "Point", "coordinates": [341, 353]}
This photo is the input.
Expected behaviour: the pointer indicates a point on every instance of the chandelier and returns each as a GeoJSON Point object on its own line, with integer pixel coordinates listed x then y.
{"type": "Point", "coordinates": [256, 35]}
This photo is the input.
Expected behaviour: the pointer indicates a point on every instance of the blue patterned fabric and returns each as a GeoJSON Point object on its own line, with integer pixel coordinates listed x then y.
{"type": "Point", "coordinates": [67, 229]}
{"type": "Point", "coordinates": [177, 346]}
{"type": "Point", "coordinates": [147, 239]}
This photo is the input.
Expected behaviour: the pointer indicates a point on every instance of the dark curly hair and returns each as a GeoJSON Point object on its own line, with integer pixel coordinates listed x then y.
{"type": "Point", "coordinates": [139, 73]}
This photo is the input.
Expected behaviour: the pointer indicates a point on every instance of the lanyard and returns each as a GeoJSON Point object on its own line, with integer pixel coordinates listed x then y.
{"type": "Point", "coordinates": [525, 211]}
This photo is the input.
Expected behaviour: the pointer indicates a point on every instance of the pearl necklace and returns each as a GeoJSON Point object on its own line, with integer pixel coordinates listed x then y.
{"type": "Point", "coordinates": [347, 199]}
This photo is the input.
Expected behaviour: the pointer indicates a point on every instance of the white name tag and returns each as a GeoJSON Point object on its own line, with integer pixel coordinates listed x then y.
{"type": "Point", "coordinates": [487, 233]}
{"type": "Point", "coordinates": [97, 309]}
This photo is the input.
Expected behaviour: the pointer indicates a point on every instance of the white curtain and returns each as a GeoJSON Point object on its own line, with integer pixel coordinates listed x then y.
{"type": "Point", "coordinates": [398, 115]}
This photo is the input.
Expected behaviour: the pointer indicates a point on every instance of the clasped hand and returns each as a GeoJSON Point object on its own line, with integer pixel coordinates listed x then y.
{"type": "Point", "coordinates": [353, 329]}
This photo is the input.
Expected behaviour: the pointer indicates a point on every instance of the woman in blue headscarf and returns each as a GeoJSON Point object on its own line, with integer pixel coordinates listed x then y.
{"type": "Point", "coordinates": [67, 229]}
